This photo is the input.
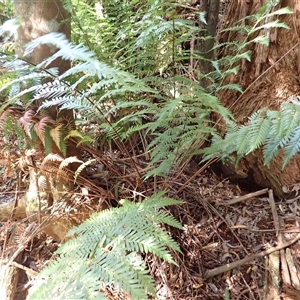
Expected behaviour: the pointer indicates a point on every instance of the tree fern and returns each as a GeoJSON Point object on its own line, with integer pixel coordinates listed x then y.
{"type": "Point", "coordinates": [106, 249]}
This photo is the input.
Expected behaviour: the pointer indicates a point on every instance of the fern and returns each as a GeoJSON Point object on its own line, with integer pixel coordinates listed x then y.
{"type": "Point", "coordinates": [82, 167]}
{"type": "Point", "coordinates": [157, 86]}
{"type": "Point", "coordinates": [268, 129]}
{"type": "Point", "coordinates": [106, 249]}
{"type": "Point", "coordinates": [293, 146]}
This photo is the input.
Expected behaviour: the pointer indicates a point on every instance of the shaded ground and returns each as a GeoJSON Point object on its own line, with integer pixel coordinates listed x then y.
{"type": "Point", "coordinates": [217, 232]}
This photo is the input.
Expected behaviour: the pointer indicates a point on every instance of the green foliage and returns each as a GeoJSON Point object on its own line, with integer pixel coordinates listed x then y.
{"type": "Point", "coordinates": [13, 134]}
{"type": "Point", "coordinates": [266, 128]}
{"type": "Point", "coordinates": [6, 10]}
{"type": "Point", "coordinates": [263, 19]}
{"type": "Point", "coordinates": [133, 74]}
{"type": "Point", "coordinates": [137, 69]}
{"type": "Point", "coordinates": [107, 250]}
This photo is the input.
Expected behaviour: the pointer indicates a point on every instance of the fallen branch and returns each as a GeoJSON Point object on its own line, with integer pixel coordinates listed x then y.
{"type": "Point", "coordinates": [240, 262]}
{"type": "Point", "coordinates": [244, 197]}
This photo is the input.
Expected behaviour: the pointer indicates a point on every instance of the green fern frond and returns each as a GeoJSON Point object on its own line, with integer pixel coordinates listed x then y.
{"type": "Point", "coordinates": [47, 140]}
{"type": "Point", "coordinates": [104, 250]}
{"type": "Point", "coordinates": [83, 139]}
{"type": "Point", "coordinates": [268, 129]}
{"type": "Point", "coordinates": [292, 146]}
{"type": "Point", "coordinates": [270, 150]}
{"type": "Point", "coordinates": [148, 50]}
{"type": "Point", "coordinates": [231, 86]}
{"type": "Point", "coordinates": [68, 51]}
{"type": "Point", "coordinates": [56, 134]}
{"type": "Point", "coordinates": [259, 133]}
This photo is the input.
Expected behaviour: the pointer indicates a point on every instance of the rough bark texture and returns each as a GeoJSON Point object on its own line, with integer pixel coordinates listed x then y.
{"type": "Point", "coordinates": [37, 18]}
{"type": "Point", "coordinates": [268, 80]}
{"type": "Point", "coordinates": [9, 279]}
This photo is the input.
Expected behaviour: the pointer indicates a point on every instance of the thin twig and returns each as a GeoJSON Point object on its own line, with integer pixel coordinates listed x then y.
{"type": "Point", "coordinates": [17, 191]}
{"type": "Point", "coordinates": [196, 174]}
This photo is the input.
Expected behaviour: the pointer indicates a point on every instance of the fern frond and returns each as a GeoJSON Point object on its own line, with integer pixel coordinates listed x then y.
{"type": "Point", "coordinates": [56, 134]}
{"type": "Point", "coordinates": [68, 51]}
{"type": "Point", "coordinates": [83, 139]}
{"type": "Point", "coordinates": [82, 166]}
{"type": "Point", "coordinates": [50, 158]}
{"type": "Point", "coordinates": [69, 160]}
{"type": "Point", "coordinates": [51, 89]}
{"type": "Point", "coordinates": [292, 147]}
{"type": "Point", "coordinates": [62, 101]}
{"type": "Point", "coordinates": [105, 251]}
{"type": "Point", "coordinates": [259, 133]}
{"type": "Point", "coordinates": [268, 129]}
{"type": "Point", "coordinates": [26, 121]}
{"type": "Point", "coordinates": [41, 125]}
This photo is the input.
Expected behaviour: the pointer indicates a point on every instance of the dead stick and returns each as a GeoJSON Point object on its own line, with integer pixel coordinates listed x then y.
{"type": "Point", "coordinates": [244, 197]}
{"type": "Point", "coordinates": [28, 271]}
{"type": "Point", "coordinates": [274, 211]}
{"type": "Point", "coordinates": [240, 262]}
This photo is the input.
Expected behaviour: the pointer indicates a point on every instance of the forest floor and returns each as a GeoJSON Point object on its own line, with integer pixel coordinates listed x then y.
{"type": "Point", "coordinates": [227, 243]}
{"type": "Point", "coordinates": [224, 226]}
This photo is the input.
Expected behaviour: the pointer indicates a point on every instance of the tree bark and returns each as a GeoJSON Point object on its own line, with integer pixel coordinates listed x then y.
{"type": "Point", "coordinates": [268, 80]}
{"type": "Point", "coordinates": [37, 18]}
{"type": "Point", "coordinates": [212, 8]}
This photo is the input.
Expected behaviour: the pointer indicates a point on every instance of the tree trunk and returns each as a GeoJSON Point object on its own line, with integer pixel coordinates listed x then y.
{"type": "Point", "coordinates": [37, 18]}
{"type": "Point", "coordinates": [268, 80]}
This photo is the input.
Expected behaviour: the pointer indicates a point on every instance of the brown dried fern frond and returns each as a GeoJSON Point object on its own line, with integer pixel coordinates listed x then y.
{"type": "Point", "coordinates": [40, 127]}
{"type": "Point", "coordinates": [24, 160]}
{"type": "Point", "coordinates": [27, 119]}
{"type": "Point", "coordinates": [57, 134]}
{"type": "Point", "coordinates": [7, 161]}
{"type": "Point", "coordinates": [28, 157]}
{"type": "Point", "coordinates": [63, 172]}
{"type": "Point", "coordinates": [82, 166]}
{"type": "Point", "coordinates": [69, 160]}
{"type": "Point", "coordinates": [43, 182]}
{"type": "Point", "coordinates": [5, 156]}
{"type": "Point", "coordinates": [51, 159]}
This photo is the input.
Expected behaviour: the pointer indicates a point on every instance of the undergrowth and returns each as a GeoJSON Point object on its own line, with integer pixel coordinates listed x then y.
{"type": "Point", "coordinates": [139, 80]}
{"type": "Point", "coordinates": [136, 80]}
{"type": "Point", "coordinates": [108, 250]}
